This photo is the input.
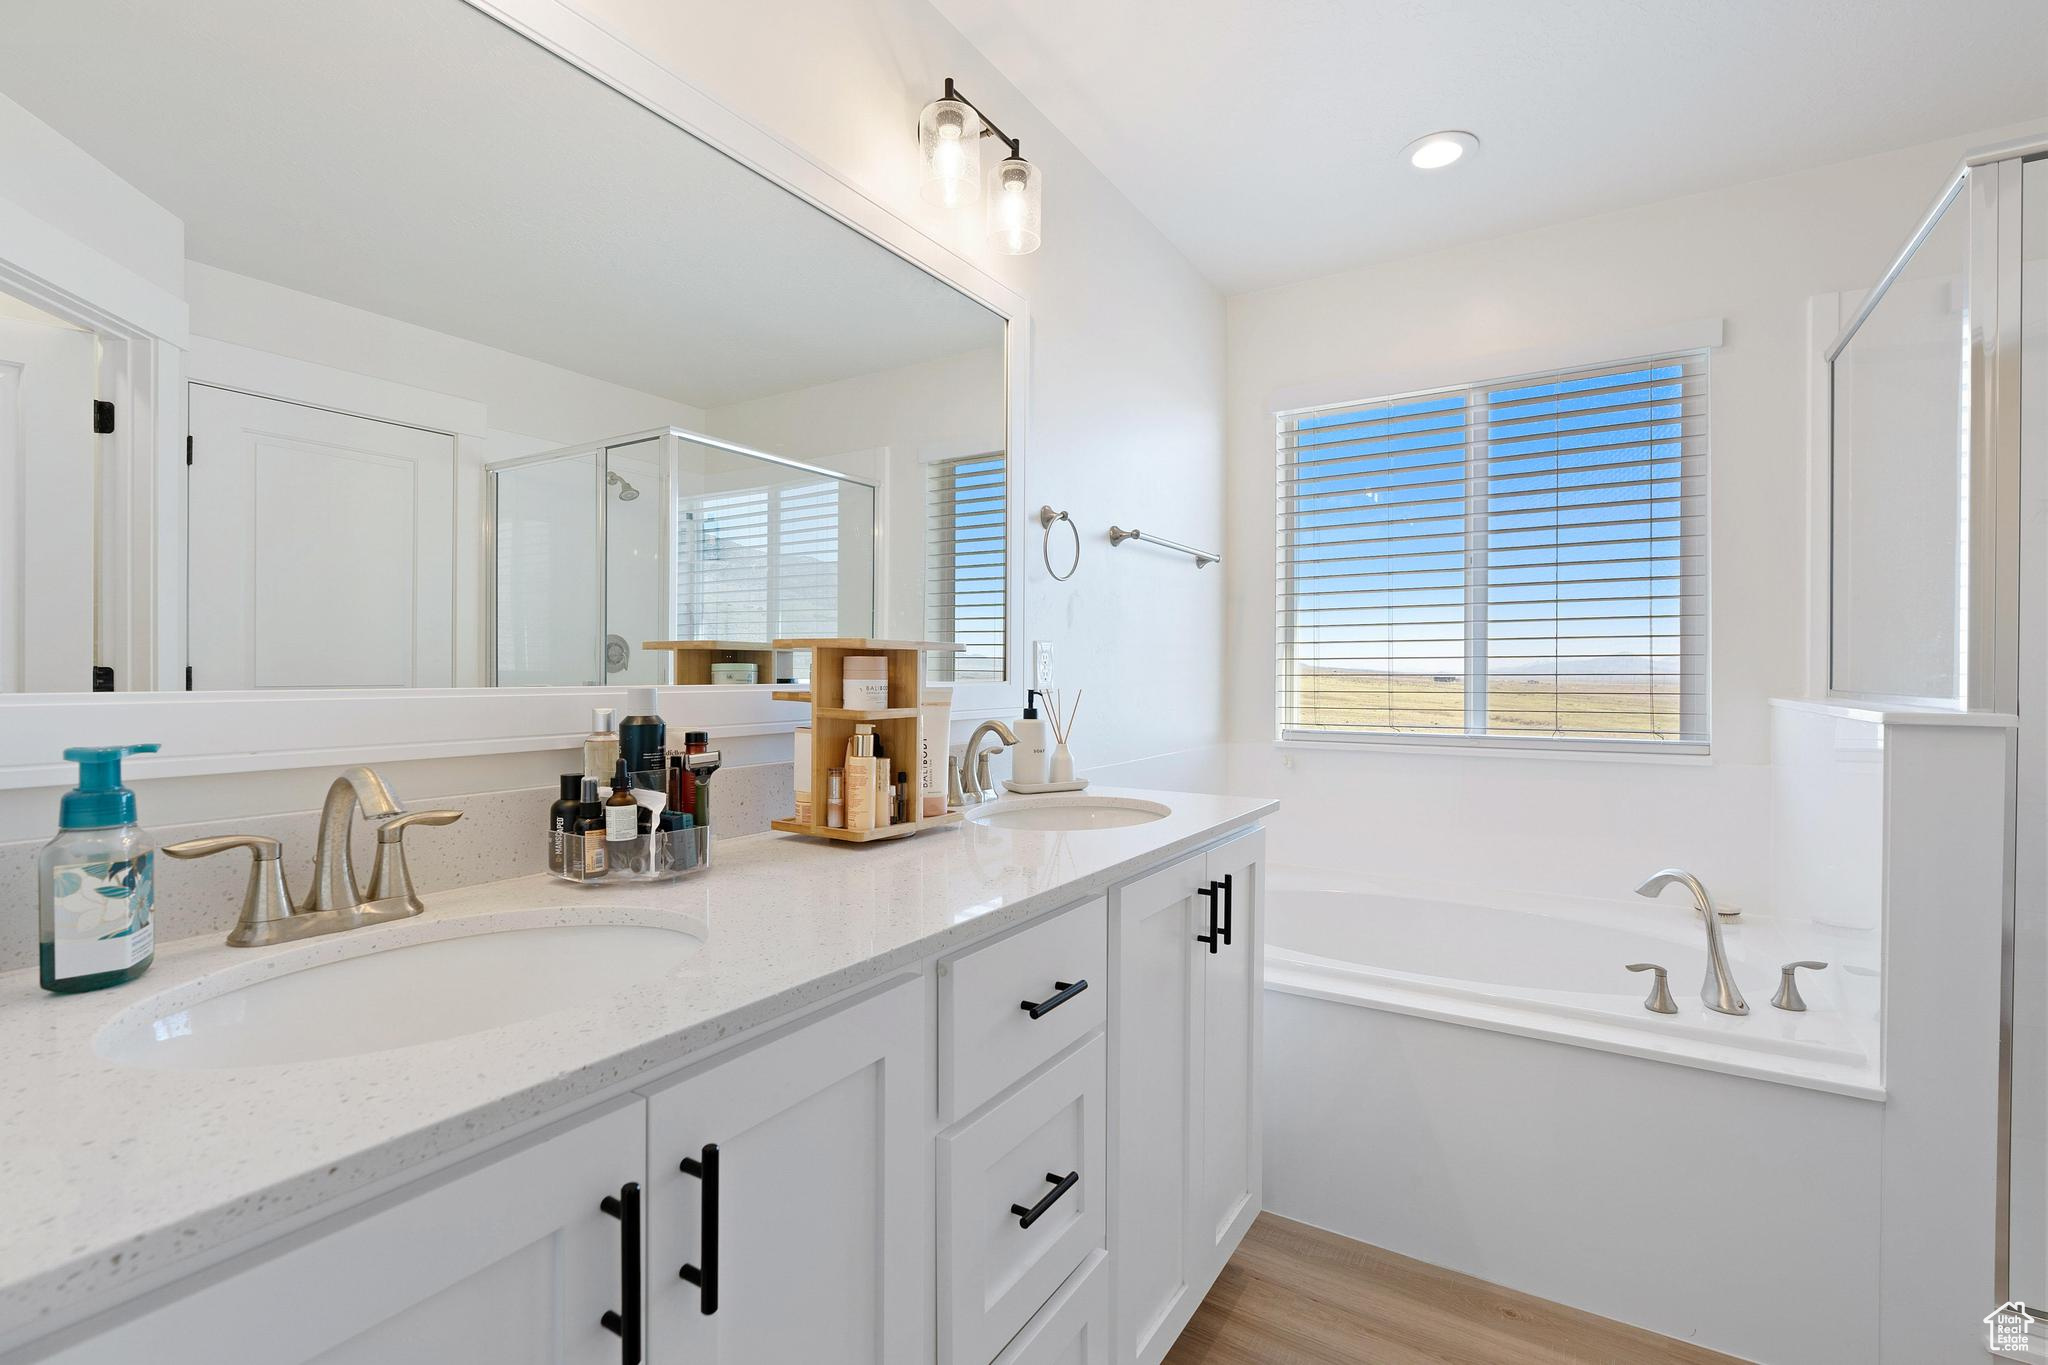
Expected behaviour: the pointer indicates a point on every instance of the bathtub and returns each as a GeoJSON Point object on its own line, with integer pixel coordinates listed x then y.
{"type": "Point", "coordinates": [1551, 968]}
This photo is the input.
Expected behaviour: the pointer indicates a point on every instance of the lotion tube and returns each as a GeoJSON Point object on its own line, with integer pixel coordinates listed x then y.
{"type": "Point", "coordinates": [934, 742]}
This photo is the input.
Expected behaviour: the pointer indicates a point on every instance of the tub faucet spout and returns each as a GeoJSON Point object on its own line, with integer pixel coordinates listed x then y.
{"type": "Point", "coordinates": [1719, 991]}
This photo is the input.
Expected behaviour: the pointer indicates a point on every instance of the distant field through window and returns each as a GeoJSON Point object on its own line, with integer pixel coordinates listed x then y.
{"type": "Point", "coordinates": [1520, 560]}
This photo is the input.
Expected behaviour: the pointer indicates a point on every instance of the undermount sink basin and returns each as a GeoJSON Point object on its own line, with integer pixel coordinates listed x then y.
{"type": "Point", "coordinates": [416, 991]}
{"type": "Point", "coordinates": [1069, 812]}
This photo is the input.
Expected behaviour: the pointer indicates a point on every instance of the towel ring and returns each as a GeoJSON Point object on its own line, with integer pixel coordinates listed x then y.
{"type": "Point", "coordinates": [1046, 518]}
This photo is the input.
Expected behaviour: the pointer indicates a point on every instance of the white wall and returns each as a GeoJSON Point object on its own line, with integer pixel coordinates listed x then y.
{"type": "Point", "coordinates": [1126, 361]}
{"type": "Point", "coordinates": [1751, 255]}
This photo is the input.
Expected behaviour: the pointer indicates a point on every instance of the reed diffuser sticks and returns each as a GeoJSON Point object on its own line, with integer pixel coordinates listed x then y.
{"type": "Point", "coordinates": [1062, 722]}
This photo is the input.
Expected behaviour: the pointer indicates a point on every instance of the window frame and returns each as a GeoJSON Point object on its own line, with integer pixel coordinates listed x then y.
{"type": "Point", "coordinates": [1691, 346]}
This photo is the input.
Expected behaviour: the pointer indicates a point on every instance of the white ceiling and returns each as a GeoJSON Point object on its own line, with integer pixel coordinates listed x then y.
{"type": "Point", "coordinates": [1263, 136]}
{"type": "Point", "coordinates": [419, 160]}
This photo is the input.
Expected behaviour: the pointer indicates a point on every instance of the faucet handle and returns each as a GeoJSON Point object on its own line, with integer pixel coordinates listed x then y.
{"type": "Point", "coordinates": [266, 901]}
{"type": "Point", "coordinates": [390, 878]}
{"type": "Point", "coordinates": [1659, 1000]}
{"type": "Point", "coordinates": [1788, 997]}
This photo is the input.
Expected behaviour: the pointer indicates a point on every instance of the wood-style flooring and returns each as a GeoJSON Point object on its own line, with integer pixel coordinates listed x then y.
{"type": "Point", "coordinates": [1296, 1295]}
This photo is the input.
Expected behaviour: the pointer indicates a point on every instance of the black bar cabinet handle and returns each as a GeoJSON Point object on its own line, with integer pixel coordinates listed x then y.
{"type": "Point", "coordinates": [705, 1277]}
{"type": "Point", "coordinates": [1212, 937]}
{"type": "Point", "coordinates": [626, 1322]}
{"type": "Point", "coordinates": [1066, 990]}
{"type": "Point", "coordinates": [1228, 898]}
{"type": "Point", "coordinates": [1060, 1185]}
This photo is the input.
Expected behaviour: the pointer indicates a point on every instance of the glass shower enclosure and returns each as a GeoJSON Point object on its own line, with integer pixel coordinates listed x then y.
{"type": "Point", "coordinates": [1938, 573]}
{"type": "Point", "coordinates": [596, 551]}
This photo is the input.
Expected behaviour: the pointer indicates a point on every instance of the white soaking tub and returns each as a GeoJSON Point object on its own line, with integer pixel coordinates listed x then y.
{"type": "Point", "coordinates": [1550, 968]}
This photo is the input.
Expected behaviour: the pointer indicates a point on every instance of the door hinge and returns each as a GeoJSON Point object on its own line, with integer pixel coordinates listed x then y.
{"type": "Point", "coordinates": [102, 678]}
{"type": "Point", "coordinates": [188, 677]}
{"type": "Point", "coordinates": [102, 417]}
{"type": "Point", "coordinates": [188, 452]}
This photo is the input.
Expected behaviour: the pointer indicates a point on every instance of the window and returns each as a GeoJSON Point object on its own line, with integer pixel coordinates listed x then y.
{"type": "Point", "coordinates": [1517, 561]}
{"type": "Point", "coordinates": [967, 566]}
{"type": "Point", "coordinates": [759, 563]}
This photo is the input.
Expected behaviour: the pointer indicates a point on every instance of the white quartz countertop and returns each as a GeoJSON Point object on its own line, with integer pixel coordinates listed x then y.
{"type": "Point", "coordinates": [111, 1176]}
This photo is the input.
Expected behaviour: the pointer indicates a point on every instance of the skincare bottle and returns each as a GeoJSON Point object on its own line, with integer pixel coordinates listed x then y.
{"type": "Point", "coordinates": [562, 823]}
{"type": "Point", "coordinates": [860, 779]}
{"type": "Point", "coordinates": [642, 736]}
{"type": "Point", "coordinates": [587, 851]}
{"type": "Point", "coordinates": [883, 816]}
{"type": "Point", "coordinates": [621, 815]}
{"type": "Point", "coordinates": [835, 799]}
{"type": "Point", "coordinates": [96, 881]}
{"type": "Point", "coordinates": [1027, 764]}
{"type": "Point", "coordinates": [600, 746]}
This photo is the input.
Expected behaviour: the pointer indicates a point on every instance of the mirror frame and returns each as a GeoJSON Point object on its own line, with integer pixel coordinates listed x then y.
{"type": "Point", "coordinates": [145, 369]}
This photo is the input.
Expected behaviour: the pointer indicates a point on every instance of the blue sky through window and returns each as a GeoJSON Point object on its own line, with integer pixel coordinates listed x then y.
{"type": "Point", "coordinates": [1544, 531]}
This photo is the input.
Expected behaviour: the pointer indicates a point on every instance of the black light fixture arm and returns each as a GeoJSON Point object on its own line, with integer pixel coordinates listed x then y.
{"type": "Point", "coordinates": [988, 125]}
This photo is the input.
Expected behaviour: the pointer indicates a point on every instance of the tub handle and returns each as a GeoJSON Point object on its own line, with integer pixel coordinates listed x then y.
{"type": "Point", "coordinates": [1659, 1001]}
{"type": "Point", "coordinates": [1788, 997]}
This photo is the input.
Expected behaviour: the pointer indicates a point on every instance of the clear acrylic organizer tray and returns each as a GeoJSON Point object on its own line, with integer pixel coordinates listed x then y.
{"type": "Point", "coordinates": [651, 856]}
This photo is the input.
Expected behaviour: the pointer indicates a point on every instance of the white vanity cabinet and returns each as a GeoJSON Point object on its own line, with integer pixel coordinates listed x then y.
{"type": "Point", "coordinates": [1038, 1149]}
{"type": "Point", "coordinates": [804, 1217]}
{"type": "Point", "coordinates": [510, 1258]}
{"type": "Point", "coordinates": [1185, 954]}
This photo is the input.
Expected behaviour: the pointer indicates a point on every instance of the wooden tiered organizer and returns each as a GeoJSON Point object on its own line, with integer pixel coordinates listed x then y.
{"type": "Point", "coordinates": [832, 725]}
{"type": "Point", "coordinates": [691, 660]}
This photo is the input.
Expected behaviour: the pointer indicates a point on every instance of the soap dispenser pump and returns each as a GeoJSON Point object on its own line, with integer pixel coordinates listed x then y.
{"type": "Point", "coordinates": [96, 881]}
{"type": "Point", "coordinates": [1027, 762]}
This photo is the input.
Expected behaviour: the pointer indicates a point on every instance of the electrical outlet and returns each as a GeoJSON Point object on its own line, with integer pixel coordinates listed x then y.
{"type": "Point", "coordinates": [1041, 663]}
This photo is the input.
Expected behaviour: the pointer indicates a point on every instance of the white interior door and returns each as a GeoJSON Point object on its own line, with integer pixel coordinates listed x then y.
{"type": "Point", "coordinates": [322, 547]}
{"type": "Point", "coordinates": [47, 456]}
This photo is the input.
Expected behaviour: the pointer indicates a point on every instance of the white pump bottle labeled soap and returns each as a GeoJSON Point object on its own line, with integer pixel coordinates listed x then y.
{"type": "Point", "coordinates": [1028, 762]}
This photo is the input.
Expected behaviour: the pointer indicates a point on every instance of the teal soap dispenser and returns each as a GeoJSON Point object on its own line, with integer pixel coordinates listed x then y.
{"type": "Point", "coordinates": [96, 882]}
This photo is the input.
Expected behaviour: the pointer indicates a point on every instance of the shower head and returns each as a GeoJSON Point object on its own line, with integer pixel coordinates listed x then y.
{"type": "Point", "coordinates": [626, 490]}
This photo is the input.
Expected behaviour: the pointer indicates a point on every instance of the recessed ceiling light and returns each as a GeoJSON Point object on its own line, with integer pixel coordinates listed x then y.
{"type": "Point", "coordinates": [1438, 150]}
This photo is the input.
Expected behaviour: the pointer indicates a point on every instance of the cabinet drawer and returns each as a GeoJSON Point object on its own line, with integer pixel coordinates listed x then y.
{"type": "Point", "coordinates": [1073, 1327]}
{"type": "Point", "coordinates": [988, 1041]}
{"type": "Point", "coordinates": [995, 1273]}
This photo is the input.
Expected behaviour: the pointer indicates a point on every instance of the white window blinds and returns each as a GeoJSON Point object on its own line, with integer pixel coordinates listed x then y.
{"type": "Point", "coordinates": [759, 563]}
{"type": "Point", "coordinates": [966, 566]}
{"type": "Point", "coordinates": [1521, 560]}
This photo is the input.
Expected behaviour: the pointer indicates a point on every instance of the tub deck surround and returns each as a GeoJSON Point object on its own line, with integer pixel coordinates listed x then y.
{"type": "Point", "coordinates": [117, 1176]}
{"type": "Point", "coordinates": [1554, 968]}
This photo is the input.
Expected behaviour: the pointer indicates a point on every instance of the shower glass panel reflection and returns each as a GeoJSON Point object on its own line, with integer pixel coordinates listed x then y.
{"type": "Point", "coordinates": [601, 552]}
{"type": "Point", "coordinates": [1901, 479]}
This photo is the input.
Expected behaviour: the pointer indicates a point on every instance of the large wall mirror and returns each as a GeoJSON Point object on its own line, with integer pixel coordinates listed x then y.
{"type": "Point", "coordinates": [495, 376]}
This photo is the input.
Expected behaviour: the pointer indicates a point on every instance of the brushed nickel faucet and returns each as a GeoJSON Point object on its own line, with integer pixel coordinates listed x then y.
{"type": "Point", "coordinates": [336, 902]}
{"type": "Point", "coordinates": [974, 768]}
{"type": "Point", "coordinates": [1719, 991]}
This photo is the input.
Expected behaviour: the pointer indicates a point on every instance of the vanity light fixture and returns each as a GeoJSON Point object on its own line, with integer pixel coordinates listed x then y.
{"type": "Point", "coordinates": [1435, 151]}
{"type": "Point", "coordinates": [949, 134]}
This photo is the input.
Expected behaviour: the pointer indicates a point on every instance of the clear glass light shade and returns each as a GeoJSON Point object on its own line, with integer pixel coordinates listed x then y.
{"type": "Point", "coordinates": [1014, 187]}
{"type": "Point", "coordinates": [949, 142]}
